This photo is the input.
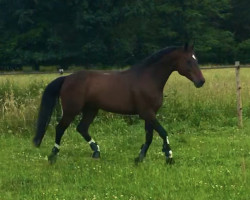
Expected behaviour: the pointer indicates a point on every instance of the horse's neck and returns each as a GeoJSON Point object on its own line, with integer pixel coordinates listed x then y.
{"type": "Point", "coordinates": [160, 73]}
{"type": "Point", "coordinates": [157, 72]}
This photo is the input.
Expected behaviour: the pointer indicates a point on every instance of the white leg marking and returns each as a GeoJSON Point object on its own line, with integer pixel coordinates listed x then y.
{"type": "Point", "coordinates": [57, 146]}
{"type": "Point", "coordinates": [91, 141]}
{"type": "Point", "coordinates": [170, 154]}
{"type": "Point", "coordinates": [167, 140]}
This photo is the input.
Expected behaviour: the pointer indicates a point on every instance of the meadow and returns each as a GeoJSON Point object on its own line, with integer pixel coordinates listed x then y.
{"type": "Point", "coordinates": [212, 155]}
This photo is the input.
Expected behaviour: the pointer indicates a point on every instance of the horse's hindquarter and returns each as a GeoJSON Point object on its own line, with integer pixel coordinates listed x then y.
{"type": "Point", "coordinates": [111, 92]}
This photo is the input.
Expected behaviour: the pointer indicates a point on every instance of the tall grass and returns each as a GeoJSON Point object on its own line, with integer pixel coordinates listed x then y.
{"type": "Point", "coordinates": [20, 96]}
{"type": "Point", "coordinates": [184, 105]}
{"type": "Point", "coordinates": [212, 105]}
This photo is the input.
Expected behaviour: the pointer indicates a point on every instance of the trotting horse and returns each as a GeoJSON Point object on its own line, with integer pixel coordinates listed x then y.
{"type": "Point", "coordinates": [138, 90]}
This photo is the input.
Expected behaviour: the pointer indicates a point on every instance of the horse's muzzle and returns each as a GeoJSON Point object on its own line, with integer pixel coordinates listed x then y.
{"type": "Point", "coordinates": [200, 83]}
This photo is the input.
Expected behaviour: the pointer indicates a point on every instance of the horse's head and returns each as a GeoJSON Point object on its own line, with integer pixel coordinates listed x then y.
{"type": "Point", "coordinates": [187, 65]}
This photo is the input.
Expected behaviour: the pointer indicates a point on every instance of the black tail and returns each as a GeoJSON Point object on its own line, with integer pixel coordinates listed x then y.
{"type": "Point", "coordinates": [49, 100]}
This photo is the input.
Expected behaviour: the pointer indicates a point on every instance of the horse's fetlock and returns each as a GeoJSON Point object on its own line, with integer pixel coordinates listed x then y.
{"type": "Point", "coordinates": [94, 146]}
{"type": "Point", "coordinates": [55, 150]}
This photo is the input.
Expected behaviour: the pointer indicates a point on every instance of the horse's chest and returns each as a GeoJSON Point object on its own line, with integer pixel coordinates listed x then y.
{"type": "Point", "coordinates": [157, 102]}
{"type": "Point", "coordinates": [149, 100]}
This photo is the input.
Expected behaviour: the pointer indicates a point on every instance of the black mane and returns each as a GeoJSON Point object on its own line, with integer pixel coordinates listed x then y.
{"type": "Point", "coordinates": [154, 57]}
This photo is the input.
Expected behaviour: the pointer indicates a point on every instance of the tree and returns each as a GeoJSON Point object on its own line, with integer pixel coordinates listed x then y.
{"type": "Point", "coordinates": [111, 32]}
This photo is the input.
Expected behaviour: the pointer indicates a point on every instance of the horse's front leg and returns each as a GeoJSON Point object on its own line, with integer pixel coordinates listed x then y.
{"type": "Point", "coordinates": [166, 146]}
{"type": "Point", "coordinates": [149, 138]}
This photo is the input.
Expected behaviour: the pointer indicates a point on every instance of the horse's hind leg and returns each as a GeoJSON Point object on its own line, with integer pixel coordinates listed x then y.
{"type": "Point", "coordinates": [88, 116]}
{"type": "Point", "coordinates": [60, 129]}
{"type": "Point", "coordinates": [149, 137]}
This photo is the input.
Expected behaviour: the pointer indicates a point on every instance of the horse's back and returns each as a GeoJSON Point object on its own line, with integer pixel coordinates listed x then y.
{"type": "Point", "coordinates": [108, 90]}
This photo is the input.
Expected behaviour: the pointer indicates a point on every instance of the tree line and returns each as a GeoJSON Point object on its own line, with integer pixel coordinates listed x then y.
{"type": "Point", "coordinates": [119, 32]}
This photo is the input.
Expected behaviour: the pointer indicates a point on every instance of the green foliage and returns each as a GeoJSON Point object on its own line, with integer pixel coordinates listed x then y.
{"type": "Point", "coordinates": [244, 51]}
{"type": "Point", "coordinates": [119, 32]}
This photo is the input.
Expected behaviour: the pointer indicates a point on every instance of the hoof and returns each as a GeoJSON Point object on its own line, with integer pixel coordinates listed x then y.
{"type": "Point", "coordinates": [52, 158]}
{"type": "Point", "coordinates": [36, 142]}
{"type": "Point", "coordinates": [96, 154]}
{"type": "Point", "coordinates": [170, 161]}
{"type": "Point", "coordinates": [139, 159]}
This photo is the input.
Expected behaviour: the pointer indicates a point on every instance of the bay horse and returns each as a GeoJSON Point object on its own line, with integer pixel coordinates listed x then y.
{"type": "Point", "coordinates": [136, 91]}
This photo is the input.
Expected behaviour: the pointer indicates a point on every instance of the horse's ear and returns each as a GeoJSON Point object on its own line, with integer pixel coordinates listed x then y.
{"type": "Point", "coordinates": [186, 46]}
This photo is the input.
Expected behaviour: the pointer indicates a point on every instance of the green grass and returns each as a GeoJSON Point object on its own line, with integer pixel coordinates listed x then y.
{"type": "Point", "coordinates": [208, 165]}
{"type": "Point", "coordinates": [212, 155]}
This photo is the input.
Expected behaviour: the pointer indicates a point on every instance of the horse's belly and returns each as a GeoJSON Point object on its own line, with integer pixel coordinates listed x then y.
{"type": "Point", "coordinates": [113, 101]}
{"type": "Point", "coordinates": [118, 108]}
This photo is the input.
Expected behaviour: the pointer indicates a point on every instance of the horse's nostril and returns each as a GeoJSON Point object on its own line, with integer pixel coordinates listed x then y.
{"type": "Point", "coordinates": [200, 83]}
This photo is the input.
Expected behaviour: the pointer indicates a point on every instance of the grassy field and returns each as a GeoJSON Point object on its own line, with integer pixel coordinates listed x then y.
{"type": "Point", "coordinates": [212, 154]}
